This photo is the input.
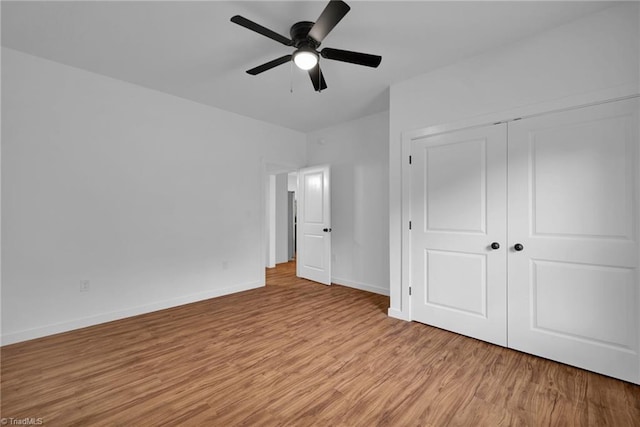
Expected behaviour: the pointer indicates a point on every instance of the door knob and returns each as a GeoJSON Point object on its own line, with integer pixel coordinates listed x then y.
{"type": "Point", "coordinates": [518, 247]}
{"type": "Point", "coordinates": [495, 245]}
{"type": "Point", "coordinates": [326, 230]}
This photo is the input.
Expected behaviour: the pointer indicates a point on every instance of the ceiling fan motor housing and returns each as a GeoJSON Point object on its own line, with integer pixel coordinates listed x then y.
{"type": "Point", "coordinates": [300, 35]}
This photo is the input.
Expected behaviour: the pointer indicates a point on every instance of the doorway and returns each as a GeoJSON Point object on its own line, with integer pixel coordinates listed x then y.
{"type": "Point", "coordinates": [280, 214]}
{"type": "Point", "coordinates": [304, 236]}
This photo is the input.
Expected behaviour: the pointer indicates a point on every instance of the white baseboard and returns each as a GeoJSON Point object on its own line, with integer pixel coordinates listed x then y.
{"type": "Point", "coordinates": [57, 328]}
{"type": "Point", "coordinates": [361, 286]}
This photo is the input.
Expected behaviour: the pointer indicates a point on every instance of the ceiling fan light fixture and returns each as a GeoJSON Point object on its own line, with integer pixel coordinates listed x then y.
{"type": "Point", "coordinates": [305, 58]}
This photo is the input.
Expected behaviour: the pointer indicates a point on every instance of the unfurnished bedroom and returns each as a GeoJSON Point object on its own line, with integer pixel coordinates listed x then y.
{"type": "Point", "coordinates": [327, 213]}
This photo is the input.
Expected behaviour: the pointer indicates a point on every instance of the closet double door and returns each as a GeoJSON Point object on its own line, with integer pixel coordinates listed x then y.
{"type": "Point", "coordinates": [525, 234]}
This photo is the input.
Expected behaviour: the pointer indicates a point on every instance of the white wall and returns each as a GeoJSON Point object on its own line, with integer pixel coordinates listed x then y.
{"type": "Point", "coordinates": [132, 189]}
{"type": "Point", "coordinates": [292, 181]}
{"type": "Point", "coordinates": [358, 154]}
{"type": "Point", "coordinates": [596, 56]}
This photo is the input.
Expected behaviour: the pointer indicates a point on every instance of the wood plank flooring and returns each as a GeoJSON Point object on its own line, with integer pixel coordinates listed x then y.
{"type": "Point", "coordinates": [296, 353]}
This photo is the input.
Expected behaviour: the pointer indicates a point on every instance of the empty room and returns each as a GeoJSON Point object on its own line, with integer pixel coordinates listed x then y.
{"type": "Point", "coordinates": [327, 213]}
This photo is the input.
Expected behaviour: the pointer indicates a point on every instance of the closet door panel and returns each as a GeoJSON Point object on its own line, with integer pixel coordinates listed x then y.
{"type": "Point", "coordinates": [459, 209]}
{"type": "Point", "coordinates": [573, 292]}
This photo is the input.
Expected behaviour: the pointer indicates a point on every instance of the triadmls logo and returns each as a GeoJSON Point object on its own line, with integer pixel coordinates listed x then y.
{"type": "Point", "coordinates": [27, 421]}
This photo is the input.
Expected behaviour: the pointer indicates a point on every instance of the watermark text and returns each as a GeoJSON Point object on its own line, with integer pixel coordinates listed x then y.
{"type": "Point", "coordinates": [26, 421]}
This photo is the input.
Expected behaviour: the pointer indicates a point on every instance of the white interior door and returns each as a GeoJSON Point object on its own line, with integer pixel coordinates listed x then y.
{"type": "Point", "coordinates": [573, 206]}
{"type": "Point", "coordinates": [314, 224]}
{"type": "Point", "coordinates": [458, 210]}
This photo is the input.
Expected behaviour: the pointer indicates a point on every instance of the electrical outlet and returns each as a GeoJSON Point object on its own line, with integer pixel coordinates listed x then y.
{"type": "Point", "coordinates": [85, 285]}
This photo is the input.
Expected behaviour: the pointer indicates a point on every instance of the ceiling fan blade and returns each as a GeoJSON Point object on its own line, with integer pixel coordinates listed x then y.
{"type": "Point", "coordinates": [329, 18]}
{"type": "Point", "coordinates": [244, 22]}
{"type": "Point", "coordinates": [269, 65]}
{"type": "Point", "coordinates": [317, 78]}
{"type": "Point", "coordinates": [351, 57]}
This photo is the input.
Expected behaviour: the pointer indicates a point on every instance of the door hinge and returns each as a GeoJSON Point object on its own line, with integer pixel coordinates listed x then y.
{"type": "Point", "coordinates": [410, 159]}
{"type": "Point", "coordinates": [409, 290]}
{"type": "Point", "coordinates": [409, 225]}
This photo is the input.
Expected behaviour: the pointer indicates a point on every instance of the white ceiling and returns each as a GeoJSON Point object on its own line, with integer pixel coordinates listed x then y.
{"type": "Point", "coordinates": [192, 50]}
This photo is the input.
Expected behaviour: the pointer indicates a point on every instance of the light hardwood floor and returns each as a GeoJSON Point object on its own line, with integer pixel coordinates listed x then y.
{"type": "Point", "coordinates": [300, 354]}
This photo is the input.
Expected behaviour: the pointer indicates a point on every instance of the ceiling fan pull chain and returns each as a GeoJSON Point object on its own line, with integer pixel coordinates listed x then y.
{"type": "Point", "coordinates": [291, 77]}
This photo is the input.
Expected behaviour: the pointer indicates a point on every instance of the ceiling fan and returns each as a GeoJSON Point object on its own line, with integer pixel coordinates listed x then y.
{"type": "Point", "coordinates": [306, 38]}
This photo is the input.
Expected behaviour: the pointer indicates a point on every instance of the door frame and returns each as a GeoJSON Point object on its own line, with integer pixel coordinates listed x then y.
{"type": "Point", "coordinates": [270, 168]}
{"type": "Point", "coordinates": [400, 299]}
